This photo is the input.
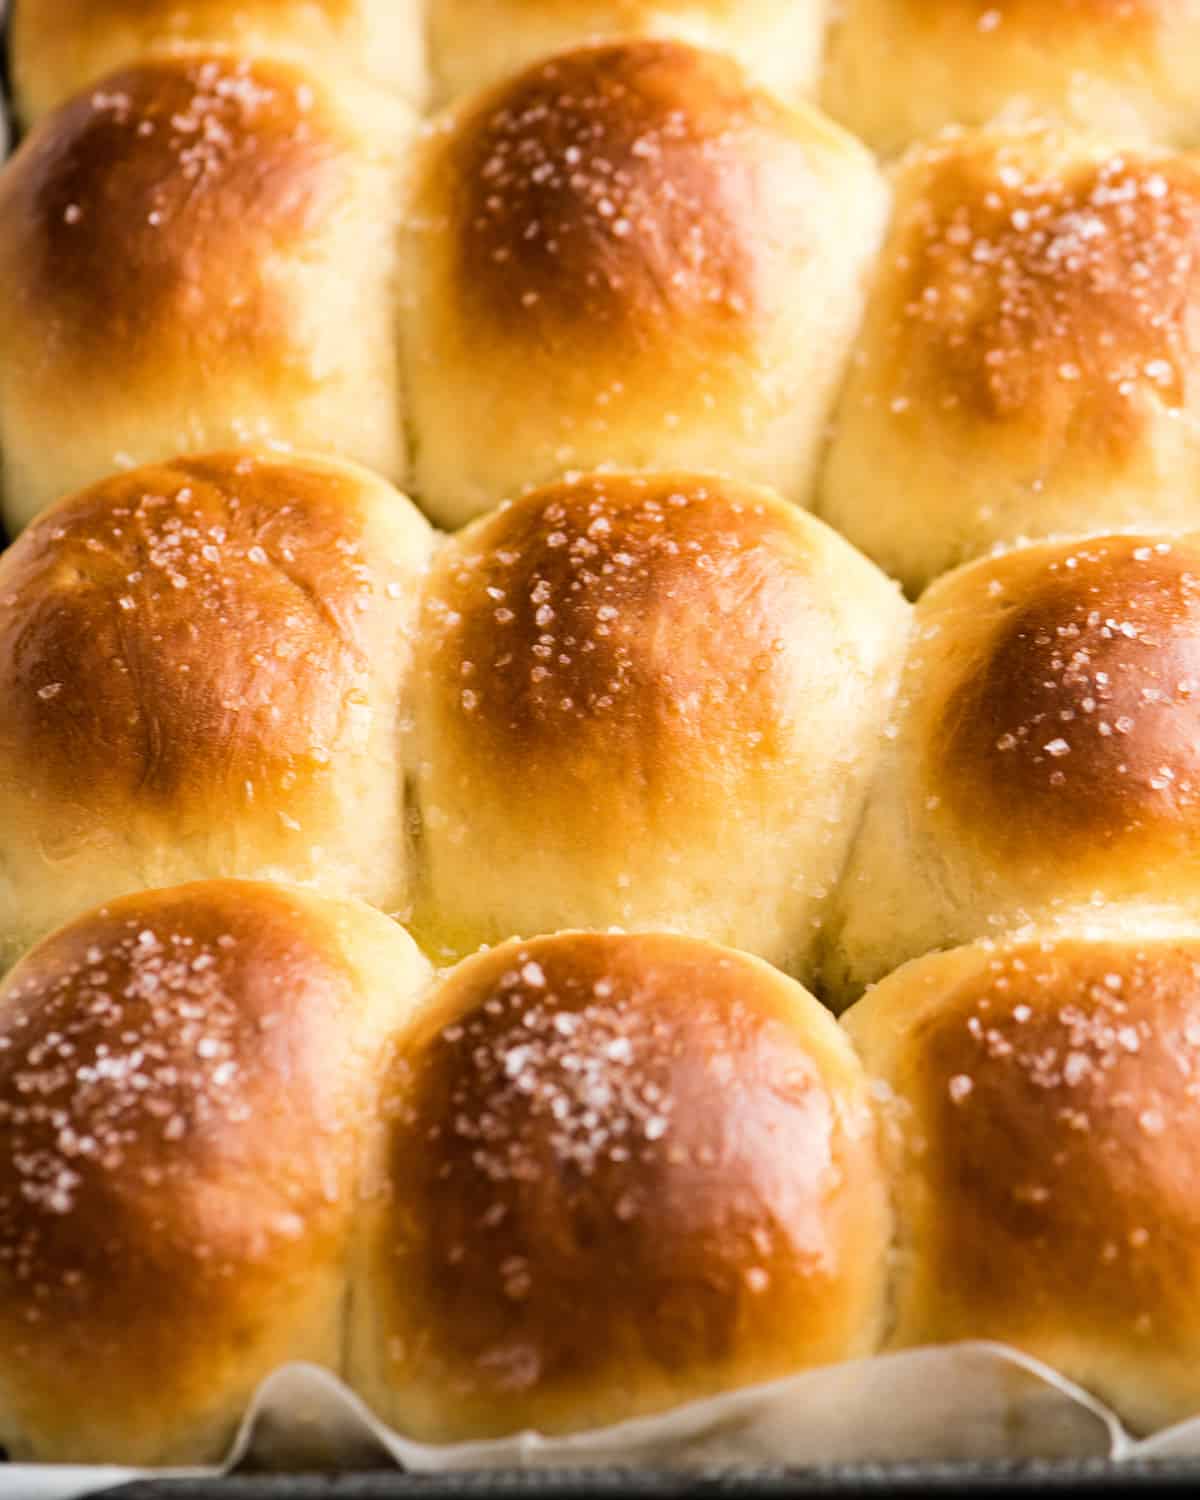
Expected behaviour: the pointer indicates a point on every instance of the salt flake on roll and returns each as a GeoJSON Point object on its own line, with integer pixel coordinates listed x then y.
{"type": "Point", "coordinates": [198, 252]}
{"type": "Point", "coordinates": [650, 700]}
{"type": "Point", "coordinates": [1042, 764]}
{"type": "Point", "coordinates": [61, 46]}
{"type": "Point", "coordinates": [1042, 1123]}
{"type": "Point", "coordinates": [1028, 364]}
{"type": "Point", "coordinates": [629, 254]}
{"type": "Point", "coordinates": [621, 1173]}
{"type": "Point", "coordinates": [187, 1082]}
{"type": "Point", "coordinates": [203, 670]}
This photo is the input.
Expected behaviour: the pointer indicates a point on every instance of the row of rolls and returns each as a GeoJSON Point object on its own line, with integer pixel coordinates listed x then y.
{"type": "Point", "coordinates": [642, 700]}
{"type": "Point", "coordinates": [669, 727]}
{"type": "Point", "coordinates": [701, 397]}
{"type": "Point", "coordinates": [890, 70]}
{"type": "Point", "coordinates": [631, 254]}
{"type": "Point", "coordinates": [571, 1180]}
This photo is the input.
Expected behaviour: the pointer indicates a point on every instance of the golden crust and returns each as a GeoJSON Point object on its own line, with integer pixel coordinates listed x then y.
{"type": "Point", "coordinates": [202, 665]}
{"type": "Point", "coordinates": [185, 1082]}
{"type": "Point", "coordinates": [657, 696]}
{"type": "Point", "coordinates": [604, 253]}
{"type": "Point", "coordinates": [594, 198]}
{"type": "Point", "coordinates": [1041, 766]}
{"type": "Point", "coordinates": [1026, 366]}
{"type": "Point", "coordinates": [61, 46]}
{"type": "Point", "coordinates": [1042, 299]}
{"type": "Point", "coordinates": [621, 619]}
{"type": "Point", "coordinates": [1119, 66]}
{"type": "Point", "coordinates": [624, 1171]}
{"type": "Point", "coordinates": [1073, 721]}
{"type": "Point", "coordinates": [111, 608]}
{"type": "Point", "coordinates": [1044, 1137]}
{"type": "Point", "coordinates": [160, 160]}
{"type": "Point", "coordinates": [186, 247]}
{"type": "Point", "coordinates": [475, 43]}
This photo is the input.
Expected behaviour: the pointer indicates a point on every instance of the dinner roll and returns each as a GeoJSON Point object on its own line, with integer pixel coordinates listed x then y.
{"type": "Point", "coordinates": [650, 701]}
{"type": "Point", "coordinates": [1029, 361]}
{"type": "Point", "coordinates": [1044, 1132]}
{"type": "Point", "coordinates": [61, 46]}
{"type": "Point", "coordinates": [901, 69]}
{"type": "Point", "coordinates": [1045, 758]}
{"type": "Point", "coordinates": [623, 1172]}
{"type": "Point", "coordinates": [478, 42]}
{"type": "Point", "coordinates": [202, 668]}
{"type": "Point", "coordinates": [187, 1080]}
{"type": "Point", "coordinates": [198, 252]}
{"type": "Point", "coordinates": [629, 255]}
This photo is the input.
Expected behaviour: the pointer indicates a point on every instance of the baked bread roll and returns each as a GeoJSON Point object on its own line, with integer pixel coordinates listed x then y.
{"type": "Point", "coordinates": [202, 668]}
{"type": "Point", "coordinates": [198, 252]}
{"type": "Point", "coordinates": [1044, 762]}
{"type": "Point", "coordinates": [901, 69]}
{"type": "Point", "coordinates": [1043, 1132]}
{"type": "Point", "coordinates": [629, 255]}
{"type": "Point", "coordinates": [649, 701]}
{"type": "Point", "coordinates": [187, 1080]}
{"type": "Point", "coordinates": [1028, 361]}
{"type": "Point", "coordinates": [478, 42]}
{"type": "Point", "coordinates": [623, 1172]}
{"type": "Point", "coordinates": [61, 46]}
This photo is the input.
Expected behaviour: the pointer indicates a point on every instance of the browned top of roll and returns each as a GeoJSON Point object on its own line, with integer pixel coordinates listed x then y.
{"type": "Point", "coordinates": [133, 213]}
{"type": "Point", "coordinates": [176, 1086]}
{"type": "Point", "coordinates": [1073, 722]}
{"type": "Point", "coordinates": [175, 633]}
{"type": "Point", "coordinates": [616, 188]}
{"type": "Point", "coordinates": [1057, 1090]}
{"type": "Point", "coordinates": [1037, 287]}
{"type": "Point", "coordinates": [624, 1159]}
{"type": "Point", "coordinates": [621, 614]}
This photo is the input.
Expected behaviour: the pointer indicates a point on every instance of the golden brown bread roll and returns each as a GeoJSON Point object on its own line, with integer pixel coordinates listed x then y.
{"type": "Point", "coordinates": [901, 69]}
{"type": "Point", "coordinates": [1044, 762]}
{"type": "Point", "coordinates": [187, 1080]}
{"type": "Point", "coordinates": [61, 46]}
{"type": "Point", "coordinates": [202, 668]}
{"type": "Point", "coordinates": [652, 701]}
{"type": "Point", "coordinates": [623, 1172]}
{"type": "Point", "coordinates": [1043, 1134]}
{"type": "Point", "coordinates": [1028, 364]}
{"type": "Point", "coordinates": [629, 255]}
{"type": "Point", "coordinates": [477, 42]}
{"type": "Point", "coordinates": [197, 252]}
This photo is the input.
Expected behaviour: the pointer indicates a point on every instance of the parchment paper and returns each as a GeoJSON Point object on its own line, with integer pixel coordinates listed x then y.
{"type": "Point", "coordinates": [970, 1401]}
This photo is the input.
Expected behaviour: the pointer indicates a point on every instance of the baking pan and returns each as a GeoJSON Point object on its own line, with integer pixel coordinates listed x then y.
{"type": "Point", "coordinates": [1077, 1480]}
